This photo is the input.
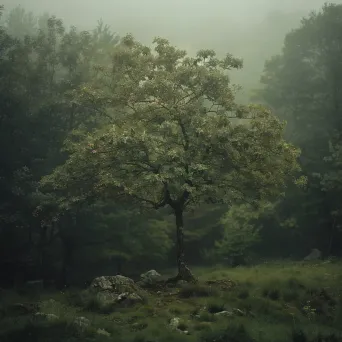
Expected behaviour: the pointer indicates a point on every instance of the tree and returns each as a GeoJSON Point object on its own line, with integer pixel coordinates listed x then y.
{"type": "Point", "coordinates": [175, 138]}
{"type": "Point", "coordinates": [241, 225]}
{"type": "Point", "coordinates": [38, 68]}
{"type": "Point", "coordinates": [303, 85]}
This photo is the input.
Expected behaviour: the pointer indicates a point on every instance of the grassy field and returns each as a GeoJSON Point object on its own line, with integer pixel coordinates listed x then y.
{"type": "Point", "coordinates": [272, 302]}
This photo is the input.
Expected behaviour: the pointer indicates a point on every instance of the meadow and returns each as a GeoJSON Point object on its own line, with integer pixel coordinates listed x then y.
{"type": "Point", "coordinates": [271, 302]}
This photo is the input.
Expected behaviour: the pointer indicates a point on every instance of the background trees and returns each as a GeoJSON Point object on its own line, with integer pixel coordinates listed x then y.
{"type": "Point", "coordinates": [303, 86]}
{"type": "Point", "coordinates": [58, 83]}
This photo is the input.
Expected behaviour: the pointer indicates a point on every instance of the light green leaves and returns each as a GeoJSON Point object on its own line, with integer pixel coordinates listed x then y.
{"type": "Point", "coordinates": [174, 137]}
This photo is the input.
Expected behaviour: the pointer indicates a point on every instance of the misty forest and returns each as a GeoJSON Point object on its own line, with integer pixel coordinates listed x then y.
{"type": "Point", "coordinates": [154, 191]}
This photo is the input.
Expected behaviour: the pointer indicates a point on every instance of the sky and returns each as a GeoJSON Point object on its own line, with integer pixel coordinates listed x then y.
{"type": "Point", "coordinates": [251, 29]}
{"type": "Point", "coordinates": [177, 20]}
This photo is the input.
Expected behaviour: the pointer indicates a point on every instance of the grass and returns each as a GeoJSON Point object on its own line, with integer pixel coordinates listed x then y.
{"type": "Point", "coordinates": [272, 302]}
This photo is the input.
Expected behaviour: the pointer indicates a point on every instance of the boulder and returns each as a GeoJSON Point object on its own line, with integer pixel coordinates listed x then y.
{"type": "Point", "coordinates": [174, 323]}
{"type": "Point", "coordinates": [116, 290]}
{"type": "Point", "coordinates": [224, 314]}
{"type": "Point", "coordinates": [150, 277]}
{"type": "Point", "coordinates": [128, 299]}
{"type": "Point", "coordinates": [315, 254]}
{"type": "Point", "coordinates": [103, 332]}
{"type": "Point", "coordinates": [115, 284]}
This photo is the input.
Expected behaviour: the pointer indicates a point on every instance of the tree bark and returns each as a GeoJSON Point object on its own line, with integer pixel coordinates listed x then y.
{"type": "Point", "coordinates": [184, 272]}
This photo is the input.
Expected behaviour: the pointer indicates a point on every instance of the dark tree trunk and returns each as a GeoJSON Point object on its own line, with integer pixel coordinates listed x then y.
{"type": "Point", "coordinates": [184, 272]}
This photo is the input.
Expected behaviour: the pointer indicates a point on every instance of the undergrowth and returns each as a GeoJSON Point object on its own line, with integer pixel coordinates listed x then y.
{"type": "Point", "coordinates": [274, 302]}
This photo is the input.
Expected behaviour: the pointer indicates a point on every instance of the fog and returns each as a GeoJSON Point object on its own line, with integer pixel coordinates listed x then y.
{"type": "Point", "coordinates": [251, 29]}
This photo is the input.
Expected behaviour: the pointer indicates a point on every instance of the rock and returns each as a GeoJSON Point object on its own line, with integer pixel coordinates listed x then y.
{"type": "Point", "coordinates": [40, 316]}
{"type": "Point", "coordinates": [150, 277]}
{"type": "Point", "coordinates": [116, 284]}
{"type": "Point", "coordinates": [315, 254]}
{"type": "Point", "coordinates": [82, 323]}
{"type": "Point", "coordinates": [238, 312]}
{"type": "Point", "coordinates": [174, 323]}
{"type": "Point", "coordinates": [103, 332]}
{"type": "Point", "coordinates": [124, 299]}
{"type": "Point", "coordinates": [106, 297]}
{"type": "Point", "coordinates": [128, 299]}
{"type": "Point", "coordinates": [117, 289]}
{"type": "Point", "coordinates": [224, 314]}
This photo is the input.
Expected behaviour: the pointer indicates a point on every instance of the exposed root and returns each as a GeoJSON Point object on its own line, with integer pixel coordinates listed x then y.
{"type": "Point", "coordinates": [184, 273]}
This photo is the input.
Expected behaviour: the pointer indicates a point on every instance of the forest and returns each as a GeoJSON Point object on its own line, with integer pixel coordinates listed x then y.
{"type": "Point", "coordinates": [143, 199]}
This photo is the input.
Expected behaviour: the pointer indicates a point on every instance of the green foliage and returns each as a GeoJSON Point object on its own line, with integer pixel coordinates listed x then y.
{"type": "Point", "coordinates": [265, 318]}
{"type": "Point", "coordinates": [167, 141]}
{"type": "Point", "coordinates": [241, 225]}
{"type": "Point", "coordinates": [302, 85]}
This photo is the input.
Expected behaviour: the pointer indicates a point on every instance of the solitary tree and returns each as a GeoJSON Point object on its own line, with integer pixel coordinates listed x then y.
{"type": "Point", "coordinates": [173, 136]}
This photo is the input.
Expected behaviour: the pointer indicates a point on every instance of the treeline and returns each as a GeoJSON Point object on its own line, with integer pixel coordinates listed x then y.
{"type": "Point", "coordinates": [70, 236]}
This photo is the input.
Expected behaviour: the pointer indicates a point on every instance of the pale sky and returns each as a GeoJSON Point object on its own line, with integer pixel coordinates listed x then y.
{"type": "Point", "coordinates": [174, 19]}
{"type": "Point", "coordinates": [246, 28]}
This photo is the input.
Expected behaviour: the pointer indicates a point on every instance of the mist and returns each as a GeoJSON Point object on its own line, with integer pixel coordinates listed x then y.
{"type": "Point", "coordinates": [142, 199]}
{"type": "Point", "coordinates": [253, 30]}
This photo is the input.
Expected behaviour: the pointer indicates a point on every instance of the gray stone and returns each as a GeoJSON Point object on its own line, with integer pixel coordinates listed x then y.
{"type": "Point", "coordinates": [103, 332]}
{"type": "Point", "coordinates": [116, 284]}
{"type": "Point", "coordinates": [174, 323]}
{"type": "Point", "coordinates": [224, 314]}
{"type": "Point", "coordinates": [128, 299]}
{"type": "Point", "coordinates": [315, 254]}
{"type": "Point", "coordinates": [238, 312]}
{"type": "Point", "coordinates": [150, 277]}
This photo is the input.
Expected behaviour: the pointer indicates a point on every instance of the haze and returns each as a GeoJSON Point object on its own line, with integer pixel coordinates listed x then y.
{"type": "Point", "coordinates": [251, 29]}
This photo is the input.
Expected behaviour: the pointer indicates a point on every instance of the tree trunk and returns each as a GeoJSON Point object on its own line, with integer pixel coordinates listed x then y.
{"type": "Point", "coordinates": [184, 272]}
